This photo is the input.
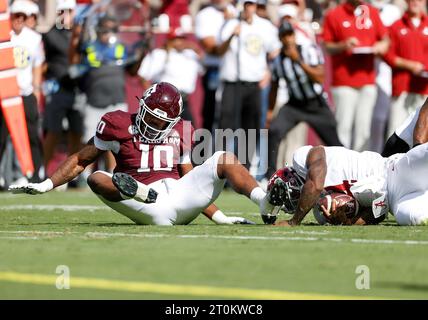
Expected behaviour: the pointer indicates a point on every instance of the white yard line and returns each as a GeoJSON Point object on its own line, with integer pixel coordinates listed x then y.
{"type": "Point", "coordinates": [20, 238]}
{"type": "Point", "coordinates": [52, 207]}
{"type": "Point", "coordinates": [41, 234]}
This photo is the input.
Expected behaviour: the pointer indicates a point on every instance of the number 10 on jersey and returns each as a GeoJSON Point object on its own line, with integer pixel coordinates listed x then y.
{"type": "Point", "coordinates": [157, 152]}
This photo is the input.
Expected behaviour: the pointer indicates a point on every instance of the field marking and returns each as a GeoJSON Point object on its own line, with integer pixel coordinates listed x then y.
{"type": "Point", "coordinates": [20, 238]}
{"type": "Point", "coordinates": [41, 234]}
{"type": "Point", "coordinates": [172, 289]}
{"type": "Point", "coordinates": [52, 207]}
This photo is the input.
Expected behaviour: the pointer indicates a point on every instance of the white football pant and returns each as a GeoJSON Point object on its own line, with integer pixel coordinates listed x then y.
{"type": "Point", "coordinates": [179, 201]}
{"type": "Point", "coordinates": [408, 186]}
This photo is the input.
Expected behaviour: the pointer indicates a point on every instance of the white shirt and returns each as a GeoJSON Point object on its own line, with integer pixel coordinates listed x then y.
{"type": "Point", "coordinates": [208, 23]}
{"type": "Point", "coordinates": [28, 53]}
{"type": "Point", "coordinates": [305, 35]}
{"type": "Point", "coordinates": [256, 40]}
{"type": "Point", "coordinates": [389, 13]}
{"type": "Point", "coordinates": [179, 68]}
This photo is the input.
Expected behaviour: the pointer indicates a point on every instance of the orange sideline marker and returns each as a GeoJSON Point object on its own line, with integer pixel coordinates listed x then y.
{"type": "Point", "coordinates": [10, 99]}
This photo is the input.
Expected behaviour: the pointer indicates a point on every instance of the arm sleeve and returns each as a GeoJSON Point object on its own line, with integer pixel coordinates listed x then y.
{"type": "Point", "coordinates": [39, 56]}
{"type": "Point", "coordinates": [145, 67]}
{"type": "Point", "coordinates": [203, 27]}
{"type": "Point", "coordinates": [312, 55]}
{"type": "Point", "coordinates": [381, 30]}
{"type": "Point", "coordinates": [328, 34]}
{"type": "Point", "coordinates": [391, 54]}
{"type": "Point", "coordinates": [226, 31]}
{"type": "Point", "coordinates": [274, 68]}
{"type": "Point", "coordinates": [272, 41]}
{"type": "Point", "coordinates": [106, 135]}
{"type": "Point", "coordinates": [299, 160]}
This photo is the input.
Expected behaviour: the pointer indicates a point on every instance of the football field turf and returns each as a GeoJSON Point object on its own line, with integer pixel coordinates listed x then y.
{"type": "Point", "coordinates": [110, 257]}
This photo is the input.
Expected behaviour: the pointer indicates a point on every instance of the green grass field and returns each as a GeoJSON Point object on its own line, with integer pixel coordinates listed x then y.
{"type": "Point", "coordinates": [110, 257]}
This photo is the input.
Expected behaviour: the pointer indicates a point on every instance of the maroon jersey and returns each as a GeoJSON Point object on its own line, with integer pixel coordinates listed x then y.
{"type": "Point", "coordinates": [146, 162]}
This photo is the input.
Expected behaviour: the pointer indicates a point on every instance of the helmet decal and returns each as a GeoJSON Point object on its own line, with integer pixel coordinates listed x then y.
{"type": "Point", "coordinates": [150, 91]}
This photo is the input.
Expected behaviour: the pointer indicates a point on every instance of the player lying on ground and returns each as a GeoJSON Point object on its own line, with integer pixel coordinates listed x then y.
{"type": "Point", "coordinates": [154, 180]}
{"type": "Point", "coordinates": [377, 183]}
{"type": "Point", "coordinates": [412, 133]}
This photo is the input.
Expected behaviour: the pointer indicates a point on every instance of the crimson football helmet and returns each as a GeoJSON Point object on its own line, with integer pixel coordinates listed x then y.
{"type": "Point", "coordinates": [284, 189]}
{"type": "Point", "coordinates": [160, 110]}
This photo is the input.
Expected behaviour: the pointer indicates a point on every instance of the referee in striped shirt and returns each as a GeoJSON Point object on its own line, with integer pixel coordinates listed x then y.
{"type": "Point", "coordinates": [303, 70]}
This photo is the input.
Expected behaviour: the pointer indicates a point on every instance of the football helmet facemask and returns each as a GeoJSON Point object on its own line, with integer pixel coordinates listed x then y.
{"type": "Point", "coordinates": [286, 186]}
{"type": "Point", "coordinates": [159, 111]}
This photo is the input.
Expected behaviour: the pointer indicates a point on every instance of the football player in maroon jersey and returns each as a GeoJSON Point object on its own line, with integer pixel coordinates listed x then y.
{"type": "Point", "coordinates": [154, 181]}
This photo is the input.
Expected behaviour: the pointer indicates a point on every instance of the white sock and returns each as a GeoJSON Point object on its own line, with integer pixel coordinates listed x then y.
{"type": "Point", "coordinates": [257, 195]}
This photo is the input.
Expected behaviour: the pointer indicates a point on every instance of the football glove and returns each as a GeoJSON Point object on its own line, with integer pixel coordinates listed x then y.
{"type": "Point", "coordinates": [32, 188]}
{"type": "Point", "coordinates": [219, 218]}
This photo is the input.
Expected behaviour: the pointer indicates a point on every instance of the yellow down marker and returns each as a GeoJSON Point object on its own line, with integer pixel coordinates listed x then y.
{"type": "Point", "coordinates": [171, 289]}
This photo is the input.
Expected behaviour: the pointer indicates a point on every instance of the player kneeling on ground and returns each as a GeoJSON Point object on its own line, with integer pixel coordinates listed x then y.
{"type": "Point", "coordinates": [154, 181]}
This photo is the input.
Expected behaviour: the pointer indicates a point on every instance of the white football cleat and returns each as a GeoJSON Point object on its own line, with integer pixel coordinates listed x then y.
{"type": "Point", "coordinates": [131, 188]}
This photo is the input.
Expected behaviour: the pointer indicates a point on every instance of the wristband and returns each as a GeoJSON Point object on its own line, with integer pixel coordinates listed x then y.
{"type": "Point", "coordinates": [47, 185]}
{"type": "Point", "coordinates": [220, 218]}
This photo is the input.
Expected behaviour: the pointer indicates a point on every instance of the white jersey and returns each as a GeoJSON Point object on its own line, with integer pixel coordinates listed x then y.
{"type": "Point", "coordinates": [361, 174]}
{"type": "Point", "coordinates": [256, 40]}
{"type": "Point", "coordinates": [181, 68]}
{"type": "Point", "coordinates": [28, 53]}
{"type": "Point", "coordinates": [208, 23]}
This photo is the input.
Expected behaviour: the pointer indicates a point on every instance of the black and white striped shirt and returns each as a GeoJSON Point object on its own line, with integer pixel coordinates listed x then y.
{"type": "Point", "coordinates": [300, 86]}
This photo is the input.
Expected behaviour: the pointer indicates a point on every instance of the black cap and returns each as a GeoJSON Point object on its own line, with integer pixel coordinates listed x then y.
{"type": "Point", "coordinates": [285, 28]}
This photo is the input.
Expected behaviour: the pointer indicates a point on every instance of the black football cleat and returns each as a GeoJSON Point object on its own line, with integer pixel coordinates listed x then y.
{"type": "Point", "coordinates": [277, 193]}
{"type": "Point", "coordinates": [131, 188]}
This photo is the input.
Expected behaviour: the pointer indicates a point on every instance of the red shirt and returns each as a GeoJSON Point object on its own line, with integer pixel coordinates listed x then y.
{"type": "Point", "coordinates": [408, 42]}
{"type": "Point", "coordinates": [175, 9]}
{"type": "Point", "coordinates": [355, 70]}
{"type": "Point", "coordinates": [144, 161]}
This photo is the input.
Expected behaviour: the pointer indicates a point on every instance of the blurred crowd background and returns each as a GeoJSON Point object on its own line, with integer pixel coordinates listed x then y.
{"type": "Point", "coordinates": [313, 71]}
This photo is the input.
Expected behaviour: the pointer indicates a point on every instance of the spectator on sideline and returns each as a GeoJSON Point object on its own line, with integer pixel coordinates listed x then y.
{"type": "Point", "coordinates": [408, 57]}
{"type": "Point", "coordinates": [63, 99]}
{"type": "Point", "coordinates": [104, 82]}
{"type": "Point", "coordinates": [353, 35]}
{"type": "Point", "coordinates": [302, 68]}
{"type": "Point", "coordinates": [244, 45]}
{"type": "Point", "coordinates": [303, 30]}
{"type": "Point", "coordinates": [208, 24]}
{"type": "Point", "coordinates": [32, 15]}
{"type": "Point", "coordinates": [177, 63]}
{"type": "Point", "coordinates": [262, 9]}
{"type": "Point", "coordinates": [29, 57]}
